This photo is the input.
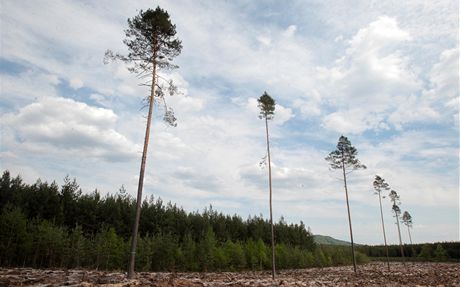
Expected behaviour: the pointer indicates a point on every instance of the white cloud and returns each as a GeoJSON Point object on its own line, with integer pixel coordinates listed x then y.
{"type": "Point", "coordinates": [378, 35]}
{"type": "Point", "coordinates": [308, 108]}
{"type": "Point", "coordinates": [25, 87]}
{"type": "Point", "coordinates": [265, 40]}
{"type": "Point", "coordinates": [444, 85]}
{"type": "Point", "coordinates": [100, 99]}
{"type": "Point", "coordinates": [182, 102]}
{"type": "Point", "coordinates": [432, 23]}
{"type": "Point", "coordinates": [444, 76]}
{"type": "Point", "coordinates": [440, 102]}
{"type": "Point", "coordinates": [412, 164]}
{"type": "Point", "coordinates": [413, 109]}
{"type": "Point", "coordinates": [290, 31]}
{"type": "Point", "coordinates": [57, 125]}
{"type": "Point", "coordinates": [374, 67]}
{"type": "Point", "coordinates": [37, 41]}
{"type": "Point", "coordinates": [76, 83]}
{"type": "Point", "coordinates": [281, 115]}
{"type": "Point", "coordinates": [373, 86]}
{"type": "Point", "coordinates": [350, 122]}
{"type": "Point", "coordinates": [259, 58]}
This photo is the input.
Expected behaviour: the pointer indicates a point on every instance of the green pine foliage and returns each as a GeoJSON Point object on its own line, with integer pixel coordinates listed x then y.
{"type": "Point", "coordinates": [234, 255]}
{"type": "Point", "coordinates": [439, 251]}
{"type": "Point", "coordinates": [440, 254]}
{"type": "Point", "coordinates": [13, 235]}
{"type": "Point", "coordinates": [46, 226]}
{"type": "Point", "coordinates": [426, 252]}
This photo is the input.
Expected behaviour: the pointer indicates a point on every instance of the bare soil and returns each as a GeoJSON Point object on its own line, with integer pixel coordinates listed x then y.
{"type": "Point", "coordinates": [372, 274]}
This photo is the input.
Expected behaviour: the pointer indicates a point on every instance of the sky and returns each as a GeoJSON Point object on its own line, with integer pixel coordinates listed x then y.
{"type": "Point", "coordinates": [383, 73]}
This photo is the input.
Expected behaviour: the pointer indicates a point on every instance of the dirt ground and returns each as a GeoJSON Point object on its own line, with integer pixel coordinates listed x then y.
{"type": "Point", "coordinates": [372, 274]}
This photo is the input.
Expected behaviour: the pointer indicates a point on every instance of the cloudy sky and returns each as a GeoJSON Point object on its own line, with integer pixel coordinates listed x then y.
{"type": "Point", "coordinates": [383, 73]}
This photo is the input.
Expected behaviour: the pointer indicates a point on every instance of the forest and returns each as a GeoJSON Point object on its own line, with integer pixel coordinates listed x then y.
{"type": "Point", "coordinates": [47, 225]}
{"type": "Point", "coordinates": [435, 252]}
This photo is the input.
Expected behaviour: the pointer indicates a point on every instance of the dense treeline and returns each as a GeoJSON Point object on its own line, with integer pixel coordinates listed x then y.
{"type": "Point", "coordinates": [67, 207]}
{"type": "Point", "coordinates": [440, 251]}
{"type": "Point", "coordinates": [44, 225]}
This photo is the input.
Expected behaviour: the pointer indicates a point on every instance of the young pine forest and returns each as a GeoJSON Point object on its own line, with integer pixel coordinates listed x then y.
{"type": "Point", "coordinates": [45, 225]}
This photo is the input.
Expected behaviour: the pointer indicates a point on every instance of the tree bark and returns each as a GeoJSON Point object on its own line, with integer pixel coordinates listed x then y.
{"type": "Point", "coordinates": [410, 237]}
{"type": "Point", "coordinates": [384, 235]}
{"type": "Point", "coordinates": [270, 188]}
{"type": "Point", "coordinates": [400, 240]}
{"type": "Point", "coordinates": [349, 215]}
{"type": "Point", "coordinates": [132, 255]}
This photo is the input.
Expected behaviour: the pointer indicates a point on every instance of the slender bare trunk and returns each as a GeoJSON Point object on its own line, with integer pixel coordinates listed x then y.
{"type": "Point", "coordinates": [270, 187]}
{"type": "Point", "coordinates": [410, 237]}
{"type": "Point", "coordinates": [132, 255]}
{"type": "Point", "coordinates": [400, 240]}
{"type": "Point", "coordinates": [349, 215]}
{"type": "Point", "coordinates": [384, 235]}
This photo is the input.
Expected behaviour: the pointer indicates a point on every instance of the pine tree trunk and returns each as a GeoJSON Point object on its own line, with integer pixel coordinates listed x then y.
{"type": "Point", "coordinates": [384, 235]}
{"type": "Point", "coordinates": [410, 237]}
{"type": "Point", "coordinates": [270, 188]}
{"type": "Point", "coordinates": [132, 255]}
{"type": "Point", "coordinates": [400, 240]}
{"type": "Point", "coordinates": [349, 215]}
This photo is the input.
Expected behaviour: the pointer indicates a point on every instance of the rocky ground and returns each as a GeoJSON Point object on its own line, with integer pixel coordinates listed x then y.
{"type": "Point", "coordinates": [372, 274]}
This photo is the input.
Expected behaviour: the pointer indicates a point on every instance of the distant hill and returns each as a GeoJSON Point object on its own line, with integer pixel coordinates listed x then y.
{"type": "Point", "coordinates": [327, 240]}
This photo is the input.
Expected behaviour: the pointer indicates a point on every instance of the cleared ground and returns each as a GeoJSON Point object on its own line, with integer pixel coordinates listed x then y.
{"type": "Point", "coordinates": [372, 274]}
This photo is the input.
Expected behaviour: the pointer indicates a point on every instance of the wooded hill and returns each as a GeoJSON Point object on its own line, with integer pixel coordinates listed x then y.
{"type": "Point", "coordinates": [328, 240]}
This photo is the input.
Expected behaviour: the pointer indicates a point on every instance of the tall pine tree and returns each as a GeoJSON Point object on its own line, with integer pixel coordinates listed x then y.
{"type": "Point", "coordinates": [397, 211]}
{"type": "Point", "coordinates": [379, 186]}
{"type": "Point", "coordinates": [267, 110]}
{"type": "Point", "coordinates": [344, 158]}
{"type": "Point", "coordinates": [407, 220]}
{"type": "Point", "coordinates": [152, 44]}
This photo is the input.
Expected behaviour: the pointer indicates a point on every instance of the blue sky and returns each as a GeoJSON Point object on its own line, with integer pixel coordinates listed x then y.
{"type": "Point", "coordinates": [383, 73]}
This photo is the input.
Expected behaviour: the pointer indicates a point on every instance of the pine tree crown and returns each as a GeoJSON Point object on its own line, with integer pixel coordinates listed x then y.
{"type": "Point", "coordinates": [150, 39]}
{"type": "Point", "coordinates": [344, 156]}
{"type": "Point", "coordinates": [267, 106]}
{"type": "Point", "coordinates": [380, 184]}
